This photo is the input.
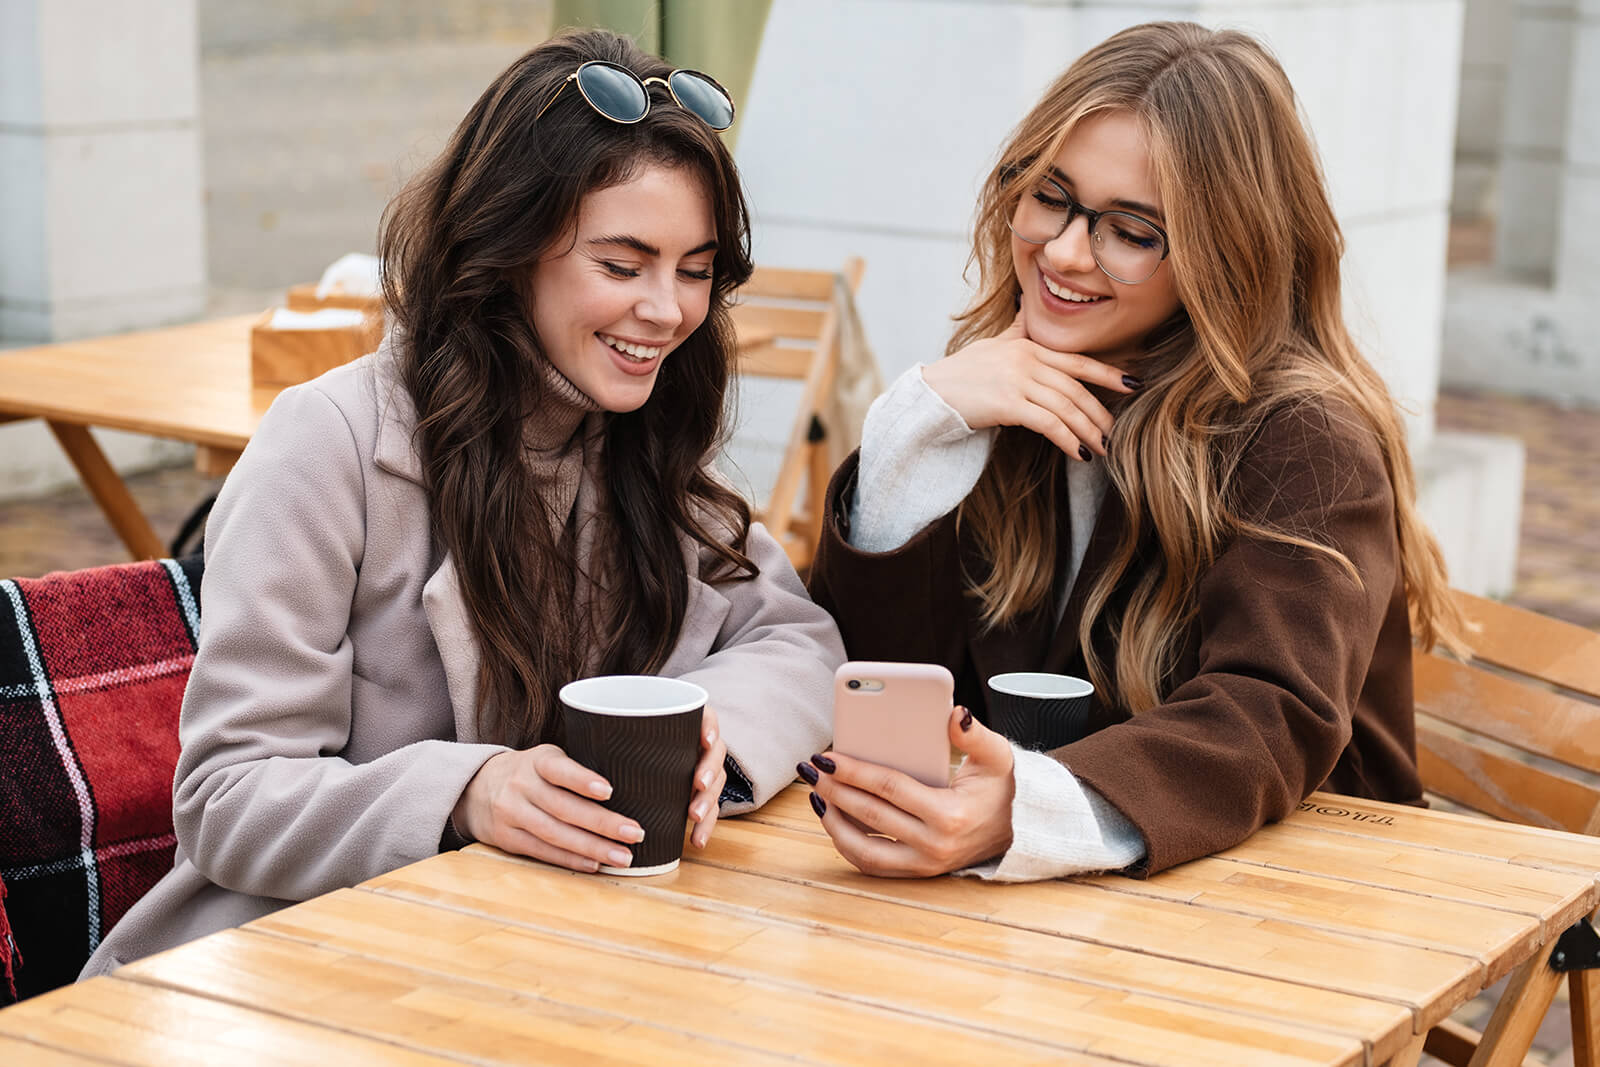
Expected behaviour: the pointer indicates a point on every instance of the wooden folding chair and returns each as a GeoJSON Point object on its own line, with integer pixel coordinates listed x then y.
{"type": "Point", "coordinates": [798, 307]}
{"type": "Point", "coordinates": [1533, 688]}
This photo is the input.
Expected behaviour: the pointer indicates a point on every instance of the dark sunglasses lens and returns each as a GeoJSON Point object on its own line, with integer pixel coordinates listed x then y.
{"type": "Point", "coordinates": [615, 93]}
{"type": "Point", "coordinates": [704, 97]}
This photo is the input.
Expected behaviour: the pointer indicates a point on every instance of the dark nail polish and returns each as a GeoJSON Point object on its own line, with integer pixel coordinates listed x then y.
{"type": "Point", "coordinates": [1131, 382]}
{"type": "Point", "coordinates": [966, 719]}
{"type": "Point", "coordinates": [1084, 453]}
{"type": "Point", "coordinates": [1105, 442]}
{"type": "Point", "coordinates": [807, 773]}
{"type": "Point", "coordinates": [824, 764]}
{"type": "Point", "coordinates": [819, 805]}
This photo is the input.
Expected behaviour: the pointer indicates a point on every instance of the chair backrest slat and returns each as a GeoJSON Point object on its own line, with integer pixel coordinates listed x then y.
{"type": "Point", "coordinates": [785, 321]}
{"type": "Point", "coordinates": [1538, 721]}
{"type": "Point", "coordinates": [1536, 645]}
{"type": "Point", "coordinates": [1497, 785]}
{"type": "Point", "coordinates": [782, 283]}
{"type": "Point", "coordinates": [1533, 685]}
{"type": "Point", "coordinates": [774, 361]}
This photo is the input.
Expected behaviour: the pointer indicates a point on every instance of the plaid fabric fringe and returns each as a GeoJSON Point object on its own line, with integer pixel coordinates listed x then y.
{"type": "Point", "coordinates": [93, 665]}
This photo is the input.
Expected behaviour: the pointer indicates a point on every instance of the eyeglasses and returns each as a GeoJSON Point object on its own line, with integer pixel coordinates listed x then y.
{"type": "Point", "coordinates": [1127, 248]}
{"type": "Point", "coordinates": [621, 96]}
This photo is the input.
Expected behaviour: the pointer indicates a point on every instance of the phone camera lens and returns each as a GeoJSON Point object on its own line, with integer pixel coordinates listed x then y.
{"type": "Point", "coordinates": [854, 683]}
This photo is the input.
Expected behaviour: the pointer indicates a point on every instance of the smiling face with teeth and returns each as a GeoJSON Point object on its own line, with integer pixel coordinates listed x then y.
{"type": "Point", "coordinates": [632, 281]}
{"type": "Point", "coordinates": [1068, 303]}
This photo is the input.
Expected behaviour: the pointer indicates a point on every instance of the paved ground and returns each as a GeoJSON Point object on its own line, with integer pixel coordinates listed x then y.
{"type": "Point", "coordinates": [304, 142]}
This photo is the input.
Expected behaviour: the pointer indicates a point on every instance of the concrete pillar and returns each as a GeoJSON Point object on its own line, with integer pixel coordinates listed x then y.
{"type": "Point", "coordinates": [101, 224]}
{"type": "Point", "coordinates": [1531, 324]}
{"type": "Point", "coordinates": [1485, 63]}
{"type": "Point", "coordinates": [1538, 100]}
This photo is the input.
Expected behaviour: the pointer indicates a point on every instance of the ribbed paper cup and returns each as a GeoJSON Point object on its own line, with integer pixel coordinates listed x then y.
{"type": "Point", "coordinates": [1039, 711]}
{"type": "Point", "coordinates": [642, 734]}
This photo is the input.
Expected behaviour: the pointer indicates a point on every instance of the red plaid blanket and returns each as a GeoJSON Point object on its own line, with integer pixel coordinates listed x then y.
{"type": "Point", "coordinates": [92, 669]}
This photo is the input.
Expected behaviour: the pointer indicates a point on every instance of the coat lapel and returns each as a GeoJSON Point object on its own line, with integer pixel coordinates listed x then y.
{"type": "Point", "coordinates": [452, 630]}
{"type": "Point", "coordinates": [442, 602]}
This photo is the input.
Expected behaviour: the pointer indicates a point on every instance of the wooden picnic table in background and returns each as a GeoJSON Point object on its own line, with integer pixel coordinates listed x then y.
{"type": "Point", "coordinates": [1337, 937]}
{"type": "Point", "coordinates": [187, 383]}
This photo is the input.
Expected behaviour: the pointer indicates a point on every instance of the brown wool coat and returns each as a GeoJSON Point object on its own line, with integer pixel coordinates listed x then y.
{"type": "Point", "coordinates": [1294, 677]}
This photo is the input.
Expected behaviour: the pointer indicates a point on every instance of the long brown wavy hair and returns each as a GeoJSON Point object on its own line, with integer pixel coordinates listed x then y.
{"type": "Point", "coordinates": [459, 245]}
{"type": "Point", "coordinates": [1255, 252]}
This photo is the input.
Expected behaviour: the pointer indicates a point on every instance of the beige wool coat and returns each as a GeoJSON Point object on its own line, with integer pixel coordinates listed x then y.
{"type": "Point", "coordinates": [330, 722]}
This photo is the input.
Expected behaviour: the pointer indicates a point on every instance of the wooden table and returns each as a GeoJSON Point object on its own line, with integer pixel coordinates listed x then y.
{"type": "Point", "coordinates": [188, 383]}
{"type": "Point", "coordinates": [1336, 937]}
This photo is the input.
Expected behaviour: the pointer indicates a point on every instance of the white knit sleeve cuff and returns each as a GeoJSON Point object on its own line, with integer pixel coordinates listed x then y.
{"type": "Point", "coordinates": [1059, 827]}
{"type": "Point", "coordinates": [919, 459]}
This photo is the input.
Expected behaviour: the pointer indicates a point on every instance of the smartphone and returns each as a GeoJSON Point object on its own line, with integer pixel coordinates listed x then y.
{"type": "Point", "coordinates": [895, 714]}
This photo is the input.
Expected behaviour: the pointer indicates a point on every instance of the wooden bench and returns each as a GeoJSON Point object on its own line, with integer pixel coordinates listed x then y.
{"type": "Point", "coordinates": [1515, 735]}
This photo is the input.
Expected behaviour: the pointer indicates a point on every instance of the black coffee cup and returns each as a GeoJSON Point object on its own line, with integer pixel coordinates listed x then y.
{"type": "Point", "coordinates": [1039, 711]}
{"type": "Point", "coordinates": [642, 734]}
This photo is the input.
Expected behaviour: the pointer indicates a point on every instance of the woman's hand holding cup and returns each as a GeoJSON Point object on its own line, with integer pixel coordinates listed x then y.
{"type": "Point", "coordinates": [542, 803]}
{"type": "Point", "coordinates": [710, 775]}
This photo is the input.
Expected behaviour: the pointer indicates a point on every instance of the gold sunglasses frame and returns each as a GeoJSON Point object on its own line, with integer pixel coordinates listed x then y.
{"type": "Point", "coordinates": [644, 84]}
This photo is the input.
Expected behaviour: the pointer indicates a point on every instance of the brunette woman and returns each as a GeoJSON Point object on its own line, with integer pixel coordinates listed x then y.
{"type": "Point", "coordinates": [1154, 458]}
{"type": "Point", "coordinates": [418, 549]}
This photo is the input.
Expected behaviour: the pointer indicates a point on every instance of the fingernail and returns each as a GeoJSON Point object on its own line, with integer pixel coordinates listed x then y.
{"type": "Point", "coordinates": [600, 790]}
{"type": "Point", "coordinates": [1105, 442]}
{"type": "Point", "coordinates": [705, 780]}
{"type": "Point", "coordinates": [698, 812]}
{"type": "Point", "coordinates": [807, 773]}
{"type": "Point", "coordinates": [1084, 453]}
{"type": "Point", "coordinates": [1131, 382]}
{"type": "Point", "coordinates": [824, 764]}
{"type": "Point", "coordinates": [966, 719]}
{"type": "Point", "coordinates": [711, 736]}
{"type": "Point", "coordinates": [632, 834]}
{"type": "Point", "coordinates": [618, 857]}
{"type": "Point", "coordinates": [819, 805]}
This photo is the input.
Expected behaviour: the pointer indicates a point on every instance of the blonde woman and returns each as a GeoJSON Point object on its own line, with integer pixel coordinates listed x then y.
{"type": "Point", "coordinates": [1152, 457]}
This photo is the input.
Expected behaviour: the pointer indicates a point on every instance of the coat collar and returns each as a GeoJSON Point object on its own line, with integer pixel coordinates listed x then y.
{"type": "Point", "coordinates": [396, 451]}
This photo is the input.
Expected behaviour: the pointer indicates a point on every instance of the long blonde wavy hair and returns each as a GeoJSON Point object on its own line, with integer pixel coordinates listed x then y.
{"type": "Point", "coordinates": [1255, 252]}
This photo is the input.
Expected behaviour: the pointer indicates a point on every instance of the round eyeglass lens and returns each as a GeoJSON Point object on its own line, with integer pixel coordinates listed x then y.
{"type": "Point", "coordinates": [613, 92]}
{"type": "Point", "coordinates": [702, 96]}
{"type": "Point", "coordinates": [1126, 247]}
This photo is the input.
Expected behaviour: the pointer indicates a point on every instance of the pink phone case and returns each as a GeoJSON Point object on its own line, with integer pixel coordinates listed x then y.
{"type": "Point", "coordinates": [895, 715]}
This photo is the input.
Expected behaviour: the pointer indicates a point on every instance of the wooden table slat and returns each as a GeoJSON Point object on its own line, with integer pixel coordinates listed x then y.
{"type": "Point", "coordinates": [463, 881]}
{"type": "Point", "coordinates": [127, 1022]}
{"type": "Point", "coordinates": [1442, 831]}
{"type": "Point", "coordinates": [1430, 982]}
{"type": "Point", "coordinates": [16, 1051]}
{"type": "Point", "coordinates": [619, 917]}
{"type": "Point", "coordinates": [520, 1006]}
{"type": "Point", "coordinates": [1409, 909]}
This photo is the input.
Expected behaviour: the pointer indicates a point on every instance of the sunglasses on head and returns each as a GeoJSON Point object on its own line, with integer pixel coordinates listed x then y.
{"type": "Point", "coordinates": [622, 96]}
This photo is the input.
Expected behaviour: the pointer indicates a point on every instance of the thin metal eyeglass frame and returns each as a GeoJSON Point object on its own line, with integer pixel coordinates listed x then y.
{"type": "Point", "coordinates": [644, 86]}
{"type": "Point", "coordinates": [1074, 209]}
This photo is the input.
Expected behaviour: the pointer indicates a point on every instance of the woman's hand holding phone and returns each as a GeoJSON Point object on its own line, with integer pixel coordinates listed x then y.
{"type": "Point", "coordinates": [542, 803]}
{"type": "Point", "coordinates": [1011, 380]}
{"type": "Point", "coordinates": [934, 830]}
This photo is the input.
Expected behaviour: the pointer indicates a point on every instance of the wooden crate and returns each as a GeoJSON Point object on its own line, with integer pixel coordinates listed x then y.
{"type": "Point", "coordinates": [288, 357]}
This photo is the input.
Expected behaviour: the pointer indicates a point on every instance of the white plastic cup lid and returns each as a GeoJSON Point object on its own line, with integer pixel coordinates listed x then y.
{"type": "Point", "coordinates": [1040, 686]}
{"type": "Point", "coordinates": [633, 695]}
